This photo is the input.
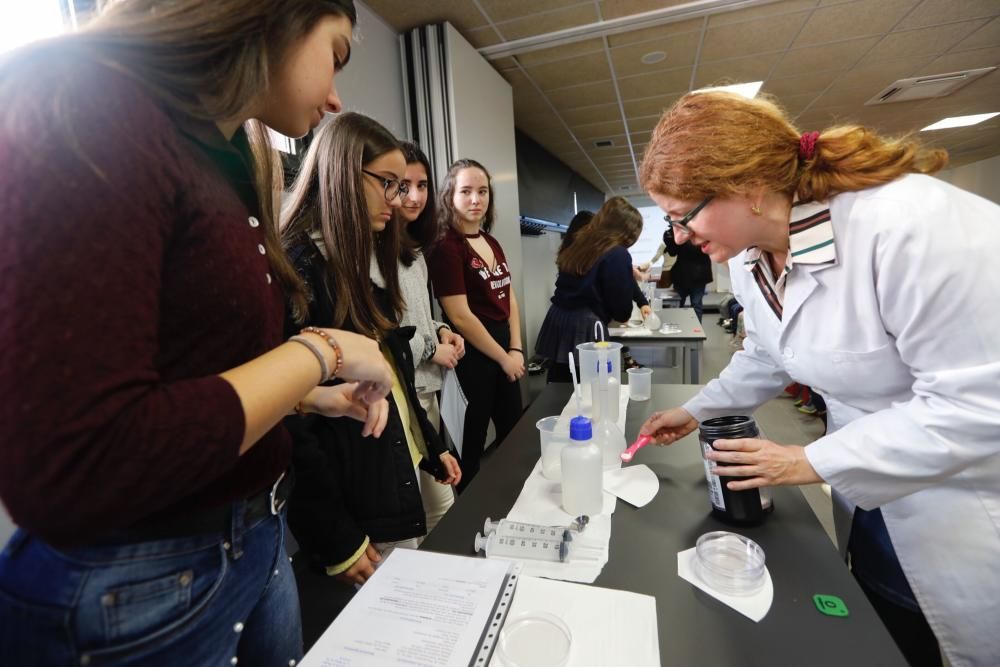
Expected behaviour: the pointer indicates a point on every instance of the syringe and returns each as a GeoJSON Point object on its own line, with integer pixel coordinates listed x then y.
{"type": "Point", "coordinates": [509, 528]}
{"type": "Point", "coordinates": [505, 528]}
{"type": "Point", "coordinates": [556, 551]}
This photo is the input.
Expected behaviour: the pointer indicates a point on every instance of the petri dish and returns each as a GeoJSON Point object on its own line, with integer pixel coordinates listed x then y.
{"type": "Point", "coordinates": [534, 639]}
{"type": "Point", "coordinates": [730, 563]}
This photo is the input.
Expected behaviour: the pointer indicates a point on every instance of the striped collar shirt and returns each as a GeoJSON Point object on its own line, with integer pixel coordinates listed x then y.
{"type": "Point", "coordinates": [810, 242]}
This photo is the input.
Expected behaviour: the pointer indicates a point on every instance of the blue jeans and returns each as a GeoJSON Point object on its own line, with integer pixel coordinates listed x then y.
{"type": "Point", "coordinates": [200, 600]}
{"type": "Point", "coordinates": [697, 295]}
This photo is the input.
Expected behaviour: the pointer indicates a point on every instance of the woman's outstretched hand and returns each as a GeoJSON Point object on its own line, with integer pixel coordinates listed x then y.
{"type": "Point", "coordinates": [669, 426]}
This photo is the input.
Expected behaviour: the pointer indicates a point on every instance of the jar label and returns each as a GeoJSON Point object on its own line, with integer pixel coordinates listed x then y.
{"type": "Point", "coordinates": [714, 481]}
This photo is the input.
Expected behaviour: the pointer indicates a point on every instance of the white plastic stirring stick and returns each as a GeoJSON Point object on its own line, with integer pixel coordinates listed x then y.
{"type": "Point", "coordinates": [576, 386]}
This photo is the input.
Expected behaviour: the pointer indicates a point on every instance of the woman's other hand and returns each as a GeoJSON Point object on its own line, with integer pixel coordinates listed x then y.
{"type": "Point", "coordinates": [446, 355]}
{"type": "Point", "coordinates": [363, 361]}
{"type": "Point", "coordinates": [762, 462]}
{"type": "Point", "coordinates": [363, 568]}
{"type": "Point", "coordinates": [452, 469]}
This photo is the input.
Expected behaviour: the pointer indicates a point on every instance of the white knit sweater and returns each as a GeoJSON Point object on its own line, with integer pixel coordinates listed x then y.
{"type": "Point", "coordinates": [413, 281]}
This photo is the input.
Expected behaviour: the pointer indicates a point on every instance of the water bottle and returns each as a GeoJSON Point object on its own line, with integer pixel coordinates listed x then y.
{"type": "Point", "coordinates": [739, 507]}
{"type": "Point", "coordinates": [582, 471]}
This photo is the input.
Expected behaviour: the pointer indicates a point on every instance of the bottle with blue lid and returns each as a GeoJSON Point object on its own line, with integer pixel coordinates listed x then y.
{"type": "Point", "coordinates": [582, 471]}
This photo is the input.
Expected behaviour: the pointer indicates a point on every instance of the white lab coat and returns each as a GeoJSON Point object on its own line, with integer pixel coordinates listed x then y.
{"type": "Point", "coordinates": [901, 336]}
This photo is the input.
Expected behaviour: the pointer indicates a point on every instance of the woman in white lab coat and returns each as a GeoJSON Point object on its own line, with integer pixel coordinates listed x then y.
{"type": "Point", "coordinates": [872, 283]}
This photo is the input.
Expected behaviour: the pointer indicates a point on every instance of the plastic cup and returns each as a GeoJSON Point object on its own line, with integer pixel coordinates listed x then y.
{"type": "Point", "coordinates": [640, 383]}
{"type": "Point", "coordinates": [553, 432]}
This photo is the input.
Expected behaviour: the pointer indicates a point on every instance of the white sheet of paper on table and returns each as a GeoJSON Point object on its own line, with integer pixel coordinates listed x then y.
{"type": "Point", "coordinates": [453, 407]}
{"type": "Point", "coordinates": [419, 607]}
{"type": "Point", "coordinates": [608, 627]}
{"type": "Point", "coordinates": [754, 607]}
{"type": "Point", "coordinates": [636, 485]}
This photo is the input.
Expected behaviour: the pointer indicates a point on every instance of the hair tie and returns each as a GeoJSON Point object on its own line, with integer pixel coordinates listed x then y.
{"type": "Point", "coordinates": [807, 145]}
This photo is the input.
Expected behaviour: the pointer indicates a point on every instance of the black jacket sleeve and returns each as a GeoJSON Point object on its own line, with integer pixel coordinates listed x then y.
{"type": "Point", "coordinates": [616, 283]}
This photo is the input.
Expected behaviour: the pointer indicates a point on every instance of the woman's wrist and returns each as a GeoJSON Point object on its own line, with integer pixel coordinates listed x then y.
{"type": "Point", "coordinates": [334, 362]}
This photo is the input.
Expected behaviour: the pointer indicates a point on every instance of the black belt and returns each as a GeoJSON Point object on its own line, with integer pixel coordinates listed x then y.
{"type": "Point", "coordinates": [219, 519]}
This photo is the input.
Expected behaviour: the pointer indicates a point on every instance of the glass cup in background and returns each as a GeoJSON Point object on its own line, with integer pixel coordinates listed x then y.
{"type": "Point", "coordinates": [640, 383]}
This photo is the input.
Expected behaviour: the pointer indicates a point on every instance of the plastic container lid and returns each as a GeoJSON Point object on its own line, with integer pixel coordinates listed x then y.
{"type": "Point", "coordinates": [730, 563]}
{"type": "Point", "coordinates": [580, 429]}
{"type": "Point", "coordinates": [534, 639]}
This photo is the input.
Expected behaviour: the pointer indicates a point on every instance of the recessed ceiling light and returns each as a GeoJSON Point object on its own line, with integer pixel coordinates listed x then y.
{"type": "Point", "coordinates": [748, 90]}
{"type": "Point", "coordinates": [960, 121]}
{"type": "Point", "coordinates": [654, 57]}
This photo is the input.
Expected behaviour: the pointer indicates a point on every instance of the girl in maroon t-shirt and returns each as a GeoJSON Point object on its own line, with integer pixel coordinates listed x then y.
{"type": "Point", "coordinates": [472, 281]}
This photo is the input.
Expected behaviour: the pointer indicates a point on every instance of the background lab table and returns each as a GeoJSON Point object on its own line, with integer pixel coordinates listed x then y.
{"type": "Point", "coordinates": [650, 348]}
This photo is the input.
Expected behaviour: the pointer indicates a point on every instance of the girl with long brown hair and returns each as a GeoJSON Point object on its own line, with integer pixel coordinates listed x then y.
{"type": "Point", "coordinates": [472, 281]}
{"type": "Point", "coordinates": [143, 370]}
{"type": "Point", "coordinates": [359, 490]}
{"type": "Point", "coordinates": [595, 284]}
{"type": "Point", "coordinates": [860, 277]}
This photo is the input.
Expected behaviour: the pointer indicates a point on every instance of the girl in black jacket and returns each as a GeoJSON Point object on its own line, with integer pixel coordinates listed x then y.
{"type": "Point", "coordinates": [357, 491]}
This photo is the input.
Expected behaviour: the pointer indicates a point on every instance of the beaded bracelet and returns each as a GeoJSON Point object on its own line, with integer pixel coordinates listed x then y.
{"type": "Point", "coordinates": [311, 346]}
{"type": "Point", "coordinates": [332, 342]}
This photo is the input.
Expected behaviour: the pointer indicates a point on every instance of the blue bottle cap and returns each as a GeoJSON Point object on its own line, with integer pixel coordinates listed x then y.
{"type": "Point", "coordinates": [579, 429]}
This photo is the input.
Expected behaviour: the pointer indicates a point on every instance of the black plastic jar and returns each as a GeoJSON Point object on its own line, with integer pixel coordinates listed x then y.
{"type": "Point", "coordinates": [740, 507]}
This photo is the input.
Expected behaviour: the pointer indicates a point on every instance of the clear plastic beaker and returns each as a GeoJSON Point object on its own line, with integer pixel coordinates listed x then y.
{"type": "Point", "coordinates": [553, 432]}
{"type": "Point", "coordinates": [640, 383]}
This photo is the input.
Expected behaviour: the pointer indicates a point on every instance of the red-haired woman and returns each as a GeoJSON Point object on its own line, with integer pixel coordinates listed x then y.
{"type": "Point", "coordinates": [859, 276]}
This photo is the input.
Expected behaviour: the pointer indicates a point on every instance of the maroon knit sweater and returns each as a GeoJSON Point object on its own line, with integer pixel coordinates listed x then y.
{"type": "Point", "coordinates": [132, 273]}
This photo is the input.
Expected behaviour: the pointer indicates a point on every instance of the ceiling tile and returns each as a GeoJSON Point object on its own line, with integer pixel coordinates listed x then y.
{"type": "Point", "coordinates": [505, 10]}
{"type": "Point", "coordinates": [643, 123]}
{"type": "Point", "coordinates": [924, 41]}
{"type": "Point", "coordinates": [952, 62]}
{"type": "Point", "coordinates": [613, 9]}
{"type": "Point", "coordinates": [561, 52]}
{"type": "Point", "coordinates": [679, 50]}
{"type": "Point", "coordinates": [933, 12]}
{"type": "Point", "coordinates": [592, 114]}
{"type": "Point", "coordinates": [988, 35]}
{"type": "Point", "coordinates": [829, 57]}
{"type": "Point", "coordinates": [540, 23]}
{"type": "Point", "coordinates": [582, 69]}
{"type": "Point", "coordinates": [618, 151]}
{"type": "Point", "coordinates": [795, 104]}
{"type": "Point", "coordinates": [743, 39]}
{"type": "Point", "coordinates": [641, 137]}
{"type": "Point", "coordinates": [611, 128]}
{"type": "Point", "coordinates": [862, 83]}
{"type": "Point", "coordinates": [404, 16]}
{"type": "Point", "coordinates": [655, 83]}
{"type": "Point", "coordinates": [853, 19]}
{"type": "Point", "coordinates": [588, 94]}
{"type": "Point", "coordinates": [656, 32]}
{"type": "Point", "coordinates": [650, 105]}
{"type": "Point", "coordinates": [738, 70]}
{"type": "Point", "coordinates": [501, 64]}
{"type": "Point", "coordinates": [770, 9]}
{"type": "Point", "coordinates": [812, 83]}
{"type": "Point", "coordinates": [540, 120]}
{"type": "Point", "coordinates": [482, 37]}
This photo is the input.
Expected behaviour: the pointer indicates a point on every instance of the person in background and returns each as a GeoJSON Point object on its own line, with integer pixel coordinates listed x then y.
{"type": "Point", "coordinates": [472, 282]}
{"type": "Point", "coordinates": [434, 345]}
{"type": "Point", "coordinates": [640, 275]}
{"type": "Point", "coordinates": [143, 371]}
{"type": "Point", "coordinates": [358, 491]}
{"type": "Point", "coordinates": [595, 284]}
{"type": "Point", "coordinates": [690, 273]}
{"type": "Point", "coordinates": [854, 267]}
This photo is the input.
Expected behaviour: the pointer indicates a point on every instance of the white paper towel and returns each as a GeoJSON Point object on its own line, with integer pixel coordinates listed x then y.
{"type": "Point", "coordinates": [754, 607]}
